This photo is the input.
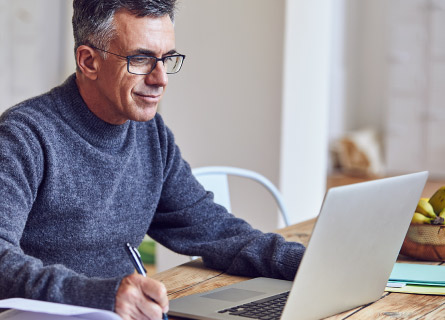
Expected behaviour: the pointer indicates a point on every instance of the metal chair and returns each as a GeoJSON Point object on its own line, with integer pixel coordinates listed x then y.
{"type": "Point", "coordinates": [215, 179]}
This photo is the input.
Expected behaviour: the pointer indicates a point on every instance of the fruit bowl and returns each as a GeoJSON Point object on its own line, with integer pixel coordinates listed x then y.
{"type": "Point", "coordinates": [425, 242]}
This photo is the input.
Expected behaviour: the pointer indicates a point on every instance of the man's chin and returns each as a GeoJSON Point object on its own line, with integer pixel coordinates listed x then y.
{"type": "Point", "coordinates": [146, 114]}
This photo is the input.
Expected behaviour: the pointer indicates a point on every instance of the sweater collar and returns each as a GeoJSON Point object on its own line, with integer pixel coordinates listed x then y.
{"type": "Point", "coordinates": [77, 114]}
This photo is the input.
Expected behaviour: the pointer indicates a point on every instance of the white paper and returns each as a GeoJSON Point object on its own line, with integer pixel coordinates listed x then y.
{"type": "Point", "coordinates": [27, 309]}
{"type": "Point", "coordinates": [396, 284]}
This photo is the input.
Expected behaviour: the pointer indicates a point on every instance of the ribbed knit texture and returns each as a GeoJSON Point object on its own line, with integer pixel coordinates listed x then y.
{"type": "Point", "coordinates": [74, 189]}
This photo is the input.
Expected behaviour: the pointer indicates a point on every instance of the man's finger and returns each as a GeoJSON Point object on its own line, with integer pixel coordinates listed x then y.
{"type": "Point", "coordinates": [149, 309]}
{"type": "Point", "coordinates": [156, 291]}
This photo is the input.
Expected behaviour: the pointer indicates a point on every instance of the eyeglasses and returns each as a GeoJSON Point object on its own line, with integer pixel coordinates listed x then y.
{"type": "Point", "coordinates": [143, 65]}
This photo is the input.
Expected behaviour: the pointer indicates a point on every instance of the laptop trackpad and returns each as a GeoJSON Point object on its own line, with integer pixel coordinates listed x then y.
{"type": "Point", "coordinates": [233, 294]}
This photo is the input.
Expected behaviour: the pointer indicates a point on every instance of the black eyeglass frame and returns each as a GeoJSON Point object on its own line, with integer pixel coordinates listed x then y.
{"type": "Point", "coordinates": [128, 58]}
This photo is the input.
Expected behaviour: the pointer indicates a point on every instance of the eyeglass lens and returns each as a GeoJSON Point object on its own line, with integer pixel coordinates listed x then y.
{"type": "Point", "coordinates": [144, 65]}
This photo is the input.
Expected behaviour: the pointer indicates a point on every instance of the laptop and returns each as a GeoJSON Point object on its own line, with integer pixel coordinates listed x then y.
{"type": "Point", "coordinates": [352, 250]}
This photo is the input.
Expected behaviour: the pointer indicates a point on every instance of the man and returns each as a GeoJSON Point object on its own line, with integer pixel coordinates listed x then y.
{"type": "Point", "coordinates": [90, 166]}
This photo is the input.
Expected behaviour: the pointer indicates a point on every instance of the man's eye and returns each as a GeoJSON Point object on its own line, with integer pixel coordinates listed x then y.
{"type": "Point", "coordinates": [140, 61]}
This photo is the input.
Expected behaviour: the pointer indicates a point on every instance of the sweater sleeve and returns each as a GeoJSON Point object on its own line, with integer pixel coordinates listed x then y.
{"type": "Point", "coordinates": [189, 222]}
{"type": "Point", "coordinates": [21, 171]}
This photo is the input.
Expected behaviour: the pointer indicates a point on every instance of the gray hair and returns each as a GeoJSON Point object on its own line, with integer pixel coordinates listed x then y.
{"type": "Point", "coordinates": [93, 19]}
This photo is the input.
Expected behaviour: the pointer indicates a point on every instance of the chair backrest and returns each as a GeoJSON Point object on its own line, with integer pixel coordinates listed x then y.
{"type": "Point", "coordinates": [215, 179]}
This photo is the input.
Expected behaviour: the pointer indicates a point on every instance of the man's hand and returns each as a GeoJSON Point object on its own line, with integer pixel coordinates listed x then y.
{"type": "Point", "coordinates": [141, 298]}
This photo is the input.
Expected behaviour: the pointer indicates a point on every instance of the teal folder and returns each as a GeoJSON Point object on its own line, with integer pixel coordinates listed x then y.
{"type": "Point", "coordinates": [414, 273]}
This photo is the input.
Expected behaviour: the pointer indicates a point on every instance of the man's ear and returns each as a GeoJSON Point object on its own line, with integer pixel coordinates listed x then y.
{"type": "Point", "coordinates": [88, 61]}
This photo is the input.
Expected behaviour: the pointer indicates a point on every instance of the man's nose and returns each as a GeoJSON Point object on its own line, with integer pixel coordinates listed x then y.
{"type": "Point", "coordinates": [158, 76]}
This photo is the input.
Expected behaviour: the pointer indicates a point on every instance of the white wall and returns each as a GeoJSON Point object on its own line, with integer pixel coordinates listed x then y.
{"type": "Point", "coordinates": [415, 113]}
{"type": "Point", "coordinates": [33, 55]}
{"type": "Point", "coordinates": [225, 105]}
{"type": "Point", "coordinates": [364, 63]}
{"type": "Point", "coordinates": [394, 71]}
{"type": "Point", "coordinates": [306, 102]}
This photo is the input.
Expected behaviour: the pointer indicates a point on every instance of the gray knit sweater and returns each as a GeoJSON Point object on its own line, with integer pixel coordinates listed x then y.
{"type": "Point", "coordinates": [74, 189]}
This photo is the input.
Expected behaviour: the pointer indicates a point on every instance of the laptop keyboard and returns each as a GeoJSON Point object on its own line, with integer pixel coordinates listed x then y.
{"type": "Point", "coordinates": [264, 309]}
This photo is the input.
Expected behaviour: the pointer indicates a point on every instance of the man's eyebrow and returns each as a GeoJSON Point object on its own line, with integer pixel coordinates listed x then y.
{"type": "Point", "coordinates": [150, 53]}
{"type": "Point", "coordinates": [173, 51]}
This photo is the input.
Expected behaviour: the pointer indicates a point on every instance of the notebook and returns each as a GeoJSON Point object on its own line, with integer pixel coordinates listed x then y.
{"type": "Point", "coordinates": [29, 309]}
{"type": "Point", "coordinates": [417, 278]}
{"type": "Point", "coordinates": [351, 253]}
{"type": "Point", "coordinates": [415, 273]}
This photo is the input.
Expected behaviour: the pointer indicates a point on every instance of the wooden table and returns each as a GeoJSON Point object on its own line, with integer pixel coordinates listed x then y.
{"type": "Point", "coordinates": [193, 277]}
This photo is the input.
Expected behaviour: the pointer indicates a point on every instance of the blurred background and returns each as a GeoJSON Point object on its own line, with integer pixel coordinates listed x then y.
{"type": "Point", "coordinates": [300, 91]}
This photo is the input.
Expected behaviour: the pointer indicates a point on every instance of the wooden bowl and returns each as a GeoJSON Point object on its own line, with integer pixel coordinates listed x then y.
{"type": "Point", "coordinates": [425, 242]}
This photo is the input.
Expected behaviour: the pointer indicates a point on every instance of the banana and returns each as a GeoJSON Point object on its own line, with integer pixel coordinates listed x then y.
{"type": "Point", "coordinates": [420, 219]}
{"type": "Point", "coordinates": [425, 208]}
{"type": "Point", "coordinates": [438, 200]}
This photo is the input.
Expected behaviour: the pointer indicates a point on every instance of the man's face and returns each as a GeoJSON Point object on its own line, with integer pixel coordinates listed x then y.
{"type": "Point", "coordinates": [126, 96]}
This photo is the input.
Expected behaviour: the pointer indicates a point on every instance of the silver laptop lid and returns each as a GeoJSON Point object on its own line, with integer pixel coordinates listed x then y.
{"type": "Point", "coordinates": [354, 245]}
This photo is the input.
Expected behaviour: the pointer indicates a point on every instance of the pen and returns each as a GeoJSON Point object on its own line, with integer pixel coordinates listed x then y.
{"type": "Point", "coordinates": [135, 258]}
